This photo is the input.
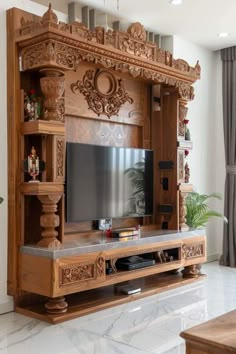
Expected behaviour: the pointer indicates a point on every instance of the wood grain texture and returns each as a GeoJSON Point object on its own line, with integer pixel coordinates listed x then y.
{"type": "Point", "coordinates": [78, 273]}
{"type": "Point", "coordinates": [99, 132]}
{"type": "Point", "coordinates": [14, 152]}
{"type": "Point", "coordinates": [43, 127]}
{"type": "Point", "coordinates": [35, 274]}
{"type": "Point", "coordinates": [216, 336]}
{"type": "Point", "coordinates": [103, 298]}
{"type": "Point", "coordinates": [42, 188]}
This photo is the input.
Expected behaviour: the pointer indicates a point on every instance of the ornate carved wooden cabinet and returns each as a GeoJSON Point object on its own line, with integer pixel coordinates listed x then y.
{"type": "Point", "coordinates": [102, 88]}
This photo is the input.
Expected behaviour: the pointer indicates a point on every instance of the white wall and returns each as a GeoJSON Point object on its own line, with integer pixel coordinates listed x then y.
{"type": "Point", "coordinates": [6, 301]}
{"type": "Point", "coordinates": [207, 164]}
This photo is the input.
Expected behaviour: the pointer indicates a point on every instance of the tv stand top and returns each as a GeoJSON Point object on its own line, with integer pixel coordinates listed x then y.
{"type": "Point", "coordinates": [100, 243]}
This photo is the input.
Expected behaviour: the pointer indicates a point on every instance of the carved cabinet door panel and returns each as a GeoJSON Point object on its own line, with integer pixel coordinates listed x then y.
{"type": "Point", "coordinates": [78, 273]}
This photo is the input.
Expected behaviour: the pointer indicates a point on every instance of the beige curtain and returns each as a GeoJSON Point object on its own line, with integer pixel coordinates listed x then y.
{"type": "Point", "coordinates": [228, 57]}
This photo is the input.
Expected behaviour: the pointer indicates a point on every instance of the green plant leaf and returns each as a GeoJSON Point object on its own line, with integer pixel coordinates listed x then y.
{"type": "Point", "coordinates": [1, 200]}
{"type": "Point", "coordinates": [198, 212]}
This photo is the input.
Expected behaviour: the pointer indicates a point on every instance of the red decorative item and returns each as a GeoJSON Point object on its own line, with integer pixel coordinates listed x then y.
{"type": "Point", "coordinates": [32, 92]}
{"type": "Point", "coordinates": [186, 152]}
{"type": "Point", "coordinates": [186, 121]}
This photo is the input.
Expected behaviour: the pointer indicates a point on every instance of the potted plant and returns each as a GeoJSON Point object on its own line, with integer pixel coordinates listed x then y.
{"type": "Point", "coordinates": [198, 210]}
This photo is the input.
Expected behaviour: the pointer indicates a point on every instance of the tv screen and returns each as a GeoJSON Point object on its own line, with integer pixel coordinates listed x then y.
{"type": "Point", "coordinates": [107, 182]}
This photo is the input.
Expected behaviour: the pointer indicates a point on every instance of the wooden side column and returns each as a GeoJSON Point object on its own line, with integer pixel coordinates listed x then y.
{"type": "Point", "coordinates": [184, 189]}
{"type": "Point", "coordinates": [183, 110]}
{"type": "Point", "coordinates": [182, 212]}
{"type": "Point", "coordinates": [49, 221]}
{"type": "Point", "coordinates": [52, 86]}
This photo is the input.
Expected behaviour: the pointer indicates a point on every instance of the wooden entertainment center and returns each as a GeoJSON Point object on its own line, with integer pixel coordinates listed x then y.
{"type": "Point", "coordinates": [67, 83]}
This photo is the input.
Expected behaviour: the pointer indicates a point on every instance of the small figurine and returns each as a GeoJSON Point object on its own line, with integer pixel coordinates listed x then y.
{"type": "Point", "coordinates": [33, 165]}
{"type": "Point", "coordinates": [186, 173]}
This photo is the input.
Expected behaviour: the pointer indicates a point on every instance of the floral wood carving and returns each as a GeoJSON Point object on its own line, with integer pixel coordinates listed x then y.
{"type": "Point", "coordinates": [133, 41]}
{"type": "Point", "coordinates": [181, 166]}
{"type": "Point", "coordinates": [100, 266]}
{"type": "Point", "coordinates": [192, 250]}
{"type": "Point", "coordinates": [102, 100]}
{"type": "Point", "coordinates": [66, 56]}
{"type": "Point", "coordinates": [74, 273]}
{"type": "Point", "coordinates": [137, 31]}
{"type": "Point", "coordinates": [52, 86]}
{"type": "Point", "coordinates": [180, 64]}
{"type": "Point", "coordinates": [60, 146]}
{"type": "Point", "coordinates": [49, 19]}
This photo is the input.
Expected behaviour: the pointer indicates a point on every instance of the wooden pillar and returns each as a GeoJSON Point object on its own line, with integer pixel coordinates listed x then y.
{"type": "Point", "coordinates": [52, 86]}
{"type": "Point", "coordinates": [182, 178]}
{"type": "Point", "coordinates": [183, 110]}
{"type": "Point", "coordinates": [182, 212]}
{"type": "Point", "coordinates": [49, 220]}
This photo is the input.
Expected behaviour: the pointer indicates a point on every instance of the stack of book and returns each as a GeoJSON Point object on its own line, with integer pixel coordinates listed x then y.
{"type": "Point", "coordinates": [126, 234]}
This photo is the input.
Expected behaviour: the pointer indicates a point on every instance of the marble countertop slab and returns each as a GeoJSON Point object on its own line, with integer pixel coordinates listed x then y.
{"type": "Point", "coordinates": [101, 243]}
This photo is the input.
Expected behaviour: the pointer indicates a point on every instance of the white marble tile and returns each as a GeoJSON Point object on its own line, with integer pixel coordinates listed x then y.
{"type": "Point", "coordinates": [145, 326]}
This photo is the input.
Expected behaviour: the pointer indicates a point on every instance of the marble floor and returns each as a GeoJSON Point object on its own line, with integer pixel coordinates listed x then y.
{"type": "Point", "coordinates": [150, 325]}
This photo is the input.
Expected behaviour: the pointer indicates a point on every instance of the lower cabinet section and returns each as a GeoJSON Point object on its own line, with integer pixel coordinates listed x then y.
{"type": "Point", "coordinates": [137, 265]}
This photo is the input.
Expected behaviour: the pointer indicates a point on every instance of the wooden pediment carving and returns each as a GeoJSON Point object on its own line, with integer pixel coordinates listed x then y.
{"type": "Point", "coordinates": [44, 42]}
{"type": "Point", "coordinates": [137, 31]}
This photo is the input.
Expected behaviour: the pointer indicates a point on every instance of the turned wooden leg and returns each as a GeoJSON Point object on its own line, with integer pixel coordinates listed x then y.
{"type": "Point", "coordinates": [49, 220]}
{"type": "Point", "coordinates": [192, 271]}
{"type": "Point", "coordinates": [182, 212]}
{"type": "Point", "coordinates": [56, 305]}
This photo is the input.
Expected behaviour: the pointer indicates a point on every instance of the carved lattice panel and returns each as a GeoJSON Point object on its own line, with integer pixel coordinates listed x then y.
{"type": "Point", "coordinates": [180, 166]}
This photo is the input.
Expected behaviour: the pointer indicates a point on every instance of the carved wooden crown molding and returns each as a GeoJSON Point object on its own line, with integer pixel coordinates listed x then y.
{"type": "Point", "coordinates": [131, 44]}
{"type": "Point", "coordinates": [66, 56]}
{"type": "Point", "coordinates": [100, 101]}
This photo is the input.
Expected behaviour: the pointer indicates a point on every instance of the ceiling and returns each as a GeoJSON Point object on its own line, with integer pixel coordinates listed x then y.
{"type": "Point", "coordinates": [198, 21]}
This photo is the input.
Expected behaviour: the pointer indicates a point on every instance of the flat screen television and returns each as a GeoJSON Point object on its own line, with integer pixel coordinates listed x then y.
{"type": "Point", "coordinates": [107, 182]}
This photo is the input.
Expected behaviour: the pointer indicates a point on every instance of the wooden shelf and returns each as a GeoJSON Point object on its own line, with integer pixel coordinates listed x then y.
{"type": "Point", "coordinates": [185, 187]}
{"type": "Point", "coordinates": [41, 188]}
{"type": "Point", "coordinates": [91, 301]}
{"type": "Point", "coordinates": [124, 275]}
{"type": "Point", "coordinates": [48, 127]}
